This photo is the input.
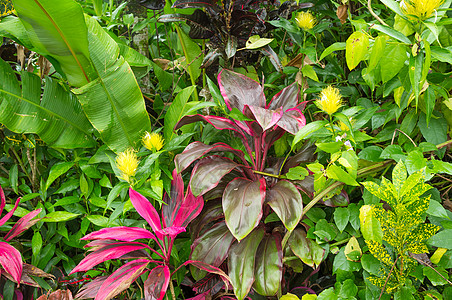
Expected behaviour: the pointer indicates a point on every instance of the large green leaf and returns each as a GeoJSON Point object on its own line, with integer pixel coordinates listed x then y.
{"type": "Point", "coordinates": [356, 49]}
{"type": "Point", "coordinates": [57, 29]}
{"type": "Point", "coordinates": [268, 266]}
{"type": "Point", "coordinates": [241, 262]}
{"type": "Point", "coordinates": [242, 205]}
{"type": "Point", "coordinates": [305, 249]}
{"type": "Point", "coordinates": [113, 102]}
{"type": "Point", "coordinates": [397, 55]}
{"type": "Point", "coordinates": [176, 111]}
{"type": "Point", "coordinates": [57, 117]}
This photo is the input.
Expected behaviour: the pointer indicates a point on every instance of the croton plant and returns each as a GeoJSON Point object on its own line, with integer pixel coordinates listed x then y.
{"type": "Point", "coordinates": [244, 191]}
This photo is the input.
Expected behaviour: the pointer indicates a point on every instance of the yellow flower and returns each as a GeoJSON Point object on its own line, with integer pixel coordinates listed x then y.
{"type": "Point", "coordinates": [330, 100]}
{"type": "Point", "coordinates": [153, 141]}
{"type": "Point", "coordinates": [420, 9]}
{"type": "Point", "coordinates": [305, 20]}
{"type": "Point", "coordinates": [127, 163]}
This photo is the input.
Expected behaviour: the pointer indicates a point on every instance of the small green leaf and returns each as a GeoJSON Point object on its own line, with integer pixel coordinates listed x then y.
{"type": "Point", "coordinates": [370, 227]}
{"type": "Point", "coordinates": [256, 42]}
{"type": "Point", "coordinates": [442, 239]}
{"type": "Point", "coordinates": [59, 216]}
{"type": "Point", "coordinates": [36, 243]}
{"type": "Point", "coordinates": [341, 217]}
{"type": "Point", "coordinates": [308, 71]}
{"type": "Point", "coordinates": [306, 130]}
{"type": "Point", "coordinates": [334, 47]}
{"type": "Point", "coordinates": [339, 174]}
{"type": "Point", "coordinates": [356, 49]}
{"type": "Point", "coordinates": [56, 171]}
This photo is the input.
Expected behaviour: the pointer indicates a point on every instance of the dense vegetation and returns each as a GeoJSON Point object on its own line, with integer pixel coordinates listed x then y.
{"type": "Point", "coordinates": [225, 149]}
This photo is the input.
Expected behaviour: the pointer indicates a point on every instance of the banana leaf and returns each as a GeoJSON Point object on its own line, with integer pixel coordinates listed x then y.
{"type": "Point", "coordinates": [57, 118]}
{"type": "Point", "coordinates": [113, 102]}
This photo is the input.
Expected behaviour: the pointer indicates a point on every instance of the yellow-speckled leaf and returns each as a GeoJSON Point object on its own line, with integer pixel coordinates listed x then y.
{"type": "Point", "coordinates": [379, 252]}
{"type": "Point", "coordinates": [6, 8]}
{"type": "Point", "coordinates": [385, 192]}
{"type": "Point", "coordinates": [370, 227]}
{"type": "Point", "coordinates": [399, 175]}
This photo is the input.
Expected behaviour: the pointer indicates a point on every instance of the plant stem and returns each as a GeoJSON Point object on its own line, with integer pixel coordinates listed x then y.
{"type": "Point", "coordinates": [387, 279]}
{"type": "Point", "coordinates": [19, 161]}
{"type": "Point", "coordinates": [173, 294]}
{"type": "Point", "coordinates": [369, 6]}
{"type": "Point", "coordinates": [266, 174]}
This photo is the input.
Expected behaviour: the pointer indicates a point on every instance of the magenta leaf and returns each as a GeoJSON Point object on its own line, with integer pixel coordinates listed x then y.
{"type": "Point", "coordinates": [111, 251]}
{"type": "Point", "coordinates": [239, 90]}
{"type": "Point", "coordinates": [180, 209]}
{"type": "Point", "coordinates": [2, 200]}
{"type": "Point", "coordinates": [121, 233]}
{"type": "Point", "coordinates": [266, 118]}
{"type": "Point", "coordinates": [197, 149]}
{"type": "Point", "coordinates": [220, 123]}
{"type": "Point", "coordinates": [268, 267]}
{"type": "Point", "coordinates": [242, 205]}
{"type": "Point", "coordinates": [11, 261]}
{"type": "Point", "coordinates": [211, 247]}
{"type": "Point", "coordinates": [286, 202]}
{"type": "Point", "coordinates": [208, 172]}
{"type": "Point", "coordinates": [157, 283]}
{"type": "Point", "coordinates": [171, 231]}
{"type": "Point", "coordinates": [10, 213]}
{"type": "Point", "coordinates": [121, 279]}
{"type": "Point", "coordinates": [23, 224]}
{"type": "Point", "coordinates": [147, 211]}
{"type": "Point", "coordinates": [90, 289]}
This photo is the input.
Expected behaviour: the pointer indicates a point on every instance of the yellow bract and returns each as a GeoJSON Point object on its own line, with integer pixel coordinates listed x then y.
{"type": "Point", "coordinates": [153, 141]}
{"type": "Point", "coordinates": [420, 9]}
{"type": "Point", "coordinates": [330, 100]}
{"type": "Point", "coordinates": [127, 163]}
{"type": "Point", "coordinates": [305, 20]}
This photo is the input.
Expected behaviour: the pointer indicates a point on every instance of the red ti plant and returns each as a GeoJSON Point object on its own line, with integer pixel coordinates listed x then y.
{"type": "Point", "coordinates": [11, 264]}
{"type": "Point", "coordinates": [248, 188]}
{"type": "Point", "coordinates": [121, 243]}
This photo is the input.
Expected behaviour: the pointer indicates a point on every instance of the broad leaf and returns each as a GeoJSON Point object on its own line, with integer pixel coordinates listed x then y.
{"type": "Point", "coordinates": [113, 102]}
{"type": "Point", "coordinates": [23, 224]}
{"type": "Point", "coordinates": [217, 122]}
{"type": "Point", "coordinates": [268, 268]}
{"type": "Point", "coordinates": [157, 283]}
{"type": "Point", "coordinates": [58, 31]}
{"type": "Point", "coordinates": [147, 211]}
{"type": "Point", "coordinates": [370, 227]}
{"type": "Point", "coordinates": [176, 111]}
{"type": "Point", "coordinates": [208, 172]}
{"type": "Point", "coordinates": [56, 117]}
{"type": "Point", "coordinates": [356, 49]}
{"type": "Point", "coordinates": [241, 263]}
{"type": "Point", "coordinates": [121, 279]}
{"type": "Point", "coordinates": [305, 249]}
{"type": "Point", "coordinates": [211, 269]}
{"type": "Point", "coordinates": [121, 233]}
{"type": "Point", "coordinates": [242, 205]}
{"type": "Point", "coordinates": [211, 247]}
{"type": "Point", "coordinates": [11, 261]}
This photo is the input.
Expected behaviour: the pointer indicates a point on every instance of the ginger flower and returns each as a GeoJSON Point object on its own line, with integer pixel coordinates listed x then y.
{"type": "Point", "coordinates": [153, 141]}
{"type": "Point", "coordinates": [330, 100]}
{"type": "Point", "coordinates": [127, 163]}
{"type": "Point", "coordinates": [420, 9]}
{"type": "Point", "coordinates": [305, 20]}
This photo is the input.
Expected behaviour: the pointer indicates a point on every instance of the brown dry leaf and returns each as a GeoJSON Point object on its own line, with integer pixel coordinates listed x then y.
{"type": "Point", "coordinates": [341, 13]}
{"type": "Point", "coordinates": [21, 56]}
{"type": "Point", "coordinates": [447, 204]}
{"type": "Point", "coordinates": [162, 63]}
{"type": "Point", "coordinates": [57, 295]}
{"type": "Point", "coordinates": [296, 61]}
{"type": "Point", "coordinates": [44, 66]}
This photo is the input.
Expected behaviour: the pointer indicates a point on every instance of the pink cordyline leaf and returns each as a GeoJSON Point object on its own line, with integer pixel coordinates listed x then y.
{"type": "Point", "coordinates": [2, 200]}
{"type": "Point", "coordinates": [220, 123]}
{"type": "Point", "coordinates": [11, 261]}
{"type": "Point", "coordinates": [157, 283]}
{"type": "Point", "coordinates": [19, 295]}
{"type": "Point", "coordinates": [211, 269]}
{"type": "Point", "coordinates": [121, 233]}
{"type": "Point", "coordinates": [105, 253]}
{"type": "Point", "coordinates": [171, 231]}
{"type": "Point", "coordinates": [8, 215]}
{"type": "Point", "coordinates": [180, 210]}
{"type": "Point", "coordinates": [23, 224]}
{"type": "Point", "coordinates": [147, 211]}
{"type": "Point", "coordinates": [121, 279]}
{"type": "Point", "coordinates": [90, 289]}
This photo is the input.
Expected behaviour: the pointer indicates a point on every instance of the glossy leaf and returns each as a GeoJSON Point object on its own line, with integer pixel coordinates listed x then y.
{"type": "Point", "coordinates": [59, 216]}
{"type": "Point", "coordinates": [242, 205]}
{"type": "Point", "coordinates": [7, 216]}
{"type": "Point", "coordinates": [147, 211]}
{"type": "Point", "coordinates": [217, 122]}
{"type": "Point", "coordinates": [268, 269]}
{"type": "Point", "coordinates": [176, 111]}
{"type": "Point", "coordinates": [241, 263]}
{"type": "Point", "coordinates": [306, 130]}
{"type": "Point", "coordinates": [121, 233]}
{"type": "Point", "coordinates": [121, 279]}
{"type": "Point", "coordinates": [211, 269]}
{"type": "Point", "coordinates": [11, 261]}
{"type": "Point", "coordinates": [287, 203]}
{"type": "Point", "coordinates": [211, 247]}
{"type": "Point", "coordinates": [196, 150]}
{"type": "Point", "coordinates": [370, 227]}
{"type": "Point", "coordinates": [157, 282]}
{"type": "Point", "coordinates": [356, 48]}
{"type": "Point", "coordinates": [208, 172]}
{"type": "Point", "coordinates": [90, 289]}
{"type": "Point", "coordinates": [23, 224]}
{"type": "Point", "coordinates": [193, 3]}
{"type": "Point", "coordinates": [305, 249]}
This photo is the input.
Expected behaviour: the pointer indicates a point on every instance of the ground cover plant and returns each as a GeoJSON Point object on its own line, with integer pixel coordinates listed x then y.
{"type": "Point", "coordinates": [180, 149]}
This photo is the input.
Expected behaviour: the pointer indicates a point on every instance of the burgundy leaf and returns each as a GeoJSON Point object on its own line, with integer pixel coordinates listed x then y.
{"type": "Point", "coordinates": [208, 172]}
{"type": "Point", "coordinates": [10, 213]}
{"type": "Point", "coordinates": [147, 211]}
{"type": "Point", "coordinates": [266, 118]}
{"type": "Point", "coordinates": [157, 283]}
{"type": "Point", "coordinates": [111, 251]}
{"type": "Point", "coordinates": [121, 233]}
{"type": "Point", "coordinates": [23, 224]}
{"type": "Point", "coordinates": [286, 202]}
{"type": "Point", "coordinates": [171, 231]}
{"type": "Point", "coordinates": [211, 247]}
{"type": "Point", "coordinates": [211, 269]}
{"type": "Point", "coordinates": [198, 149]}
{"type": "Point", "coordinates": [180, 210]}
{"type": "Point", "coordinates": [193, 3]}
{"type": "Point", "coordinates": [211, 212]}
{"type": "Point", "coordinates": [203, 296]}
{"type": "Point", "coordinates": [220, 123]}
{"type": "Point", "coordinates": [242, 205]}
{"type": "Point", "coordinates": [292, 121]}
{"type": "Point", "coordinates": [11, 261]}
{"type": "Point", "coordinates": [239, 90]}
{"type": "Point", "coordinates": [268, 267]}
{"type": "Point", "coordinates": [286, 99]}
{"type": "Point", "coordinates": [90, 289]}
{"type": "Point", "coordinates": [121, 279]}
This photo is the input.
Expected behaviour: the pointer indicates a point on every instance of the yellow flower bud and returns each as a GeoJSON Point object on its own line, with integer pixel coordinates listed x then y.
{"type": "Point", "coordinates": [127, 163]}
{"type": "Point", "coordinates": [153, 141]}
{"type": "Point", "coordinates": [330, 100]}
{"type": "Point", "coordinates": [420, 9]}
{"type": "Point", "coordinates": [305, 20]}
